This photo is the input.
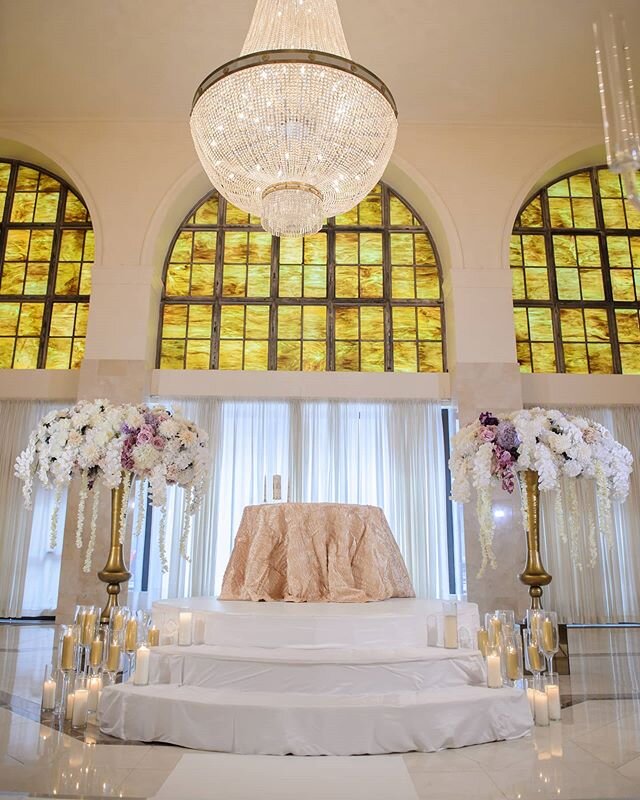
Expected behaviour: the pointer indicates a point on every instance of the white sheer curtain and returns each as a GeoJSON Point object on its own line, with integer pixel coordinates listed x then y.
{"type": "Point", "coordinates": [387, 454]}
{"type": "Point", "coordinates": [29, 569]}
{"type": "Point", "coordinates": [610, 591]}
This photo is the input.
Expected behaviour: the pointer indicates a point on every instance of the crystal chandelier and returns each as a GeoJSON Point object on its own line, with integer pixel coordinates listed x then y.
{"type": "Point", "coordinates": [294, 131]}
{"type": "Point", "coordinates": [618, 104]}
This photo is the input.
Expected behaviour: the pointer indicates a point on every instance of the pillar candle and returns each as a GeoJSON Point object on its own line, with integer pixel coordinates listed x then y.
{"type": "Point", "coordinates": [450, 631]}
{"type": "Point", "coordinates": [95, 656]}
{"type": "Point", "coordinates": [49, 695]}
{"type": "Point", "coordinates": [88, 628]}
{"type": "Point", "coordinates": [95, 687]}
{"type": "Point", "coordinates": [66, 661]}
{"type": "Point", "coordinates": [198, 630]}
{"type": "Point", "coordinates": [494, 673]}
{"type": "Point", "coordinates": [483, 641]}
{"type": "Point", "coordinates": [547, 635]}
{"type": "Point", "coordinates": [535, 659]}
{"type": "Point", "coordinates": [113, 662]}
{"type": "Point", "coordinates": [154, 636]}
{"type": "Point", "coordinates": [553, 697]}
{"type": "Point", "coordinates": [184, 628]}
{"type": "Point", "coordinates": [141, 675]}
{"type": "Point", "coordinates": [513, 667]}
{"type": "Point", "coordinates": [542, 708]}
{"type": "Point", "coordinates": [80, 708]}
{"type": "Point", "coordinates": [131, 636]}
{"type": "Point", "coordinates": [68, 712]}
{"type": "Point", "coordinates": [118, 621]}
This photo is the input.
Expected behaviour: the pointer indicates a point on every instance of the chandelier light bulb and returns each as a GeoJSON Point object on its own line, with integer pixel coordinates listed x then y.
{"type": "Point", "coordinates": [293, 130]}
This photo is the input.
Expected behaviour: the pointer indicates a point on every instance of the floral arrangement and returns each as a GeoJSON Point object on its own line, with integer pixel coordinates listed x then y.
{"type": "Point", "coordinates": [112, 445]}
{"type": "Point", "coordinates": [491, 451]}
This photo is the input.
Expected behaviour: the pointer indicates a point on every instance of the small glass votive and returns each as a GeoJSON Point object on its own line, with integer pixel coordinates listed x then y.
{"type": "Point", "coordinates": [450, 624]}
{"type": "Point", "coordinates": [552, 689]}
{"type": "Point", "coordinates": [94, 687]}
{"type": "Point", "coordinates": [494, 668]}
{"type": "Point", "coordinates": [49, 688]}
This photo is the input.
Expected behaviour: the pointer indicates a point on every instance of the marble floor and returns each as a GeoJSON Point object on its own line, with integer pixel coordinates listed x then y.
{"type": "Point", "coordinates": [593, 753]}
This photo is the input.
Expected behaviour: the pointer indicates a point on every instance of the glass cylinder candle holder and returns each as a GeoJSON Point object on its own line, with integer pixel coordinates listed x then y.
{"type": "Point", "coordinates": [552, 689]}
{"type": "Point", "coordinates": [66, 647]}
{"type": "Point", "coordinates": [533, 621]}
{"type": "Point", "coordinates": [548, 636]}
{"type": "Point", "coordinates": [112, 665]}
{"type": "Point", "coordinates": [533, 658]}
{"type": "Point", "coordinates": [185, 626]}
{"type": "Point", "coordinates": [450, 624]}
{"type": "Point", "coordinates": [96, 653]}
{"type": "Point", "coordinates": [69, 696]}
{"type": "Point", "coordinates": [49, 689]}
{"type": "Point", "coordinates": [493, 624]}
{"type": "Point", "coordinates": [494, 668]}
{"type": "Point", "coordinates": [432, 630]}
{"type": "Point", "coordinates": [198, 628]}
{"type": "Point", "coordinates": [130, 644]}
{"type": "Point", "coordinates": [80, 710]}
{"type": "Point", "coordinates": [483, 641]}
{"type": "Point", "coordinates": [512, 666]}
{"type": "Point", "coordinates": [117, 623]}
{"type": "Point", "coordinates": [153, 636]}
{"type": "Point", "coordinates": [94, 687]}
{"type": "Point", "coordinates": [507, 618]}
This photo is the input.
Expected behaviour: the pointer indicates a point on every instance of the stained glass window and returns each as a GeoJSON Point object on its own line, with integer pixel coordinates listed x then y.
{"type": "Point", "coordinates": [46, 255]}
{"type": "Point", "coordinates": [575, 267]}
{"type": "Point", "coordinates": [363, 294]}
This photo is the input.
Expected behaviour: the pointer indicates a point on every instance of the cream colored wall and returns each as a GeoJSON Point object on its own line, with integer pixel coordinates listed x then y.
{"type": "Point", "coordinates": [139, 180]}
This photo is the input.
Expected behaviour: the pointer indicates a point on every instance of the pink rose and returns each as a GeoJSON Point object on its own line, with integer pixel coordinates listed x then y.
{"type": "Point", "coordinates": [145, 435]}
{"type": "Point", "coordinates": [158, 442]}
{"type": "Point", "coordinates": [487, 434]}
{"type": "Point", "coordinates": [505, 458]}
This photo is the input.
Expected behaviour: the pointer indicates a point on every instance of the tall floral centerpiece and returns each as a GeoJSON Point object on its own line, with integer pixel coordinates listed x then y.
{"type": "Point", "coordinates": [124, 448]}
{"type": "Point", "coordinates": [539, 449]}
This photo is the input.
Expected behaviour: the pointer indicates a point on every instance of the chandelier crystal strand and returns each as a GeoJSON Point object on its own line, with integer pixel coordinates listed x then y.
{"type": "Point", "coordinates": [294, 132]}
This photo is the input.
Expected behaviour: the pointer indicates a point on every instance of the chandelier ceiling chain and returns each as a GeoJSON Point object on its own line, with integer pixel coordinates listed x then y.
{"type": "Point", "coordinates": [293, 130]}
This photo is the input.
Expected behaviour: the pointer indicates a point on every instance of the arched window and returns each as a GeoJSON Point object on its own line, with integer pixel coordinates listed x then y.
{"type": "Point", "coordinates": [363, 294]}
{"type": "Point", "coordinates": [575, 264]}
{"type": "Point", "coordinates": [46, 255]}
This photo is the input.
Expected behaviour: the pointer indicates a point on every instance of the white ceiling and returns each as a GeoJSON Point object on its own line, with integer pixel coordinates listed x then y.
{"type": "Point", "coordinates": [462, 61]}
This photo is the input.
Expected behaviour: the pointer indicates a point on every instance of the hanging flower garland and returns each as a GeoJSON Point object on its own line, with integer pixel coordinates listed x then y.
{"type": "Point", "coordinates": [113, 445]}
{"type": "Point", "coordinates": [490, 452]}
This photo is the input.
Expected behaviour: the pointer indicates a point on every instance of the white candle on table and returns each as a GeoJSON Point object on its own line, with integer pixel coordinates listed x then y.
{"type": "Point", "coordinates": [68, 713]}
{"type": "Point", "coordinates": [450, 631]}
{"type": "Point", "coordinates": [184, 628]}
{"type": "Point", "coordinates": [95, 686]}
{"type": "Point", "coordinates": [494, 672]}
{"type": "Point", "coordinates": [49, 695]}
{"type": "Point", "coordinates": [198, 629]}
{"type": "Point", "coordinates": [553, 698]}
{"type": "Point", "coordinates": [141, 675]}
{"type": "Point", "coordinates": [80, 708]}
{"type": "Point", "coordinates": [542, 708]}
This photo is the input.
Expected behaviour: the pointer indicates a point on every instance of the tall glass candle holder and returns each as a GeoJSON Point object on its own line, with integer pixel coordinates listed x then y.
{"type": "Point", "coordinates": [117, 623]}
{"type": "Point", "coordinates": [548, 636]}
{"type": "Point", "coordinates": [483, 641]}
{"type": "Point", "coordinates": [185, 628]}
{"type": "Point", "coordinates": [130, 644]}
{"type": "Point", "coordinates": [512, 667]}
{"type": "Point", "coordinates": [494, 668]}
{"type": "Point", "coordinates": [69, 697]}
{"type": "Point", "coordinates": [552, 689]}
{"type": "Point", "coordinates": [66, 664]}
{"type": "Point", "coordinates": [533, 657]}
{"type": "Point", "coordinates": [506, 617]}
{"type": "Point", "coordinates": [49, 689]}
{"type": "Point", "coordinates": [80, 710]}
{"type": "Point", "coordinates": [88, 632]}
{"type": "Point", "coordinates": [493, 624]}
{"type": "Point", "coordinates": [450, 624]}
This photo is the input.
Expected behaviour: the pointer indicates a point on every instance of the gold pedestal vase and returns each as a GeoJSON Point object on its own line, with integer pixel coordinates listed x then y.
{"type": "Point", "coordinates": [534, 574]}
{"type": "Point", "coordinates": [115, 570]}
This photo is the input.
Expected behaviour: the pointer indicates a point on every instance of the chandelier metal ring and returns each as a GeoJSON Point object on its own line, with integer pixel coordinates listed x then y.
{"type": "Point", "coordinates": [315, 57]}
{"type": "Point", "coordinates": [296, 185]}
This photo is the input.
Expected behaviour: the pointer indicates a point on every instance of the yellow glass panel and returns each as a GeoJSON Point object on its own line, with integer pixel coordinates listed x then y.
{"type": "Point", "coordinates": [429, 324]}
{"type": "Point", "coordinates": [544, 357]}
{"type": "Point", "coordinates": [537, 284]}
{"type": "Point", "coordinates": [202, 280]}
{"type": "Point", "coordinates": [207, 212]}
{"type": "Point", "coordinates": [31, 319]}
{"type": "Point", "coordinates": [609, 183]}
{"type": "Point", "coordinates": [291, 250]}
{"type": "Point", "coordinates": [630, 358]}
{"type": "Point", "coordinates": [27, 179]}
{"type": "Point", "coordinates": [633, 215]}
{"type": "Point", "coordinates": [372, 357]}
{"type": "Point", "coordinates": [347, 356]}
{"type": "Point", "coordinates": [17, 247]}
{"type": "Point", "coordinates": [564, 248]}
{"type": "Point", "coordinates": [405, 357]}
{"type": "Point", "coordinates": [236, 245]}
{"type": "Point", "coordinates": [613, 212]}
{"type": "Point", "coordinates": [540, 325]}
{"type": "Point", "coordinates": [521, 324]}
{"type": "Point", "coordinates": [290, 322]}
{"type": "Point", "coordinates": [619, 251]}
{"type": "Point", "coordinates": [256, 355]}
{"type": "Point", "coordinates": [404, 323]}
{"type": "Point", "coordinates": [588, 251]}
{"type": "Point", "coordinates": [85, 279]}
{"type": "Point", "coordinates": [3, 198]}
{"type": "Point", "coordinates": [77, 353]}
{"type": "Point", "coordinates": [346, 248]}
{"type": "Point", "coordinates": [37, 279]}
{"type": "Point", "coordinates": [346, 323]}
{"type": "Point", "coordinates": [289, 355]}
{"type": "Point", "coordinates": [346, 282]}
{"type": "Point", "coordinates": [627, 325]}
{"type": "Point", "coordinates": [315, 281]}
{"type": "Point", "coordinates": [234, 280]}
{"type": "Point", "coordinates": [22, 211]}
{"type": "Point", "coordinates": [174, 322]}
{"type": "Point", "coordinates": [12, 279]}
{"type": "Point", "coordinates": [636, 277]}
{"type": "Point", "coordinates": [9, 313]}
{"type": "Point", "coordinates": [315, 249]}
{"type": "Point", "coordinates": [370, 209]}
{"type": "Point", "coordinates": [515, 251]}
{"type": "Point", "coordinates": [204, 246]}
{"type": "Point", "coordinates": [428, 283]}
{"type": "Point", "coordinates": [430, 357]}
{"type": "Point", "coordinates": [597, 324]}
{"type": "Point", "coordinates": [560, 214]}
{"type": "Point", "coordinates": [401, 248]}
{"type": "Point", "coordinates": [172, 354]}
{"type": "Point", "coordinates": [68, 278]}
{"type": "Point", "coordinates": [71, 246]}
{"type": "Point", "coordinates": [198, 354]}
{"type": "Point", "coordinates": [371, 323]}
{"type": "Point", "coordinates": [5, 174]}
{"type": "Point", "coordinates": [232, 322]}
{"type": "Point", "coordinates": [82, 317]}
{"type": "Point", "coordinates": [568, 284]}
{"type": "Point", "coordinates": [58, 354]}
{"type": "Point", "coordinates": [314, 322]}
{"type": "Point", "coordinates": [259, 280]}
{"type": "Point", "coordinates": [581, 185]}
{"type": "Point", "coordinates": [583, 214]}
{"type": "Point", "coordinates": [559, 189]}
{"type": "Point", "coordinates": [517, 284]}
{"type": "Point", "coordinates": [41, 244]}
{"type": "Point", "coordinates": [534, 251]}
{"type": "Point", "coordinates": [177, 282]}
{"type": "Point", "coordinates": [257, 322]}
{"type": "Point", "coordinates": [622, 285]}
{"type": "Point", "coordinates": [592, 286]}
{"type": "Point", "coordinates": [260, 248]}
{"type": "Point", "coordinates": [402, 282]}
{"type": "Point", "coordinates": [200, 322]}
{"type": "Point", "coordinates": [600, 358]}
{"type": "Point", "coordinates": [26, 354]}
{"type": "Point", "coordinates": [572, 325]}
{"type": "Point", "coordinates": [424, 251]}
{"type": "Point", "coordinates": [348, 218]}
{"type": "Point", "coordinates": [400, 214]}
{"type": "Point", "coordinates": [89, 246]}
{"type": "Point", "coordinates": [290, 280]}
{"type": "Point", "coordinates": [314, 356]}
{"type": "Point", "coordinates": [371, 248]}
{"type": "Point", "coordinates": [62, 319]}
{"type": "Point", "coordinates": [236, 216]}
{"type": "Point", "coordinates": [531, 215]}
{"type": "Point", "coordinates": [524, 357]}
{"type": "Point", "coordinates": [46, 207]}
{"type": "Point", "coordinates": [575, 358]}
{"type": "Point", "coordinates": [74, 209]}
{"type": "Point", "coordinates": [371, 282]}
{"type": "Point", "coordinates": [182, 249]}
{"type": "Point", "coordinates": [6, 352]}
{"type": "Point", "coordinates": [230, 355]}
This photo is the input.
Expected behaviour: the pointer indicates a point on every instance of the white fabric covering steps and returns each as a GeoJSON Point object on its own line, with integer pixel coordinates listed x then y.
{"type": "Point", "coordinates": [310, 725]}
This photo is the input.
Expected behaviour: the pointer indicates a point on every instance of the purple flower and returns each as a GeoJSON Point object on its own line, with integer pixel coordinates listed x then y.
{"type": "Point", "coordinates": [487, 418]}
{"type": "Point", "coordinates": [487, 434]}
{"type": "Point", "coordinates": [508, 482]}
{"type": "Point", "coordinates": [507, 436]}
{"type": "Point", "coordinates": [158, 442]}
{"type": "Point", "coordinates": [505, 458]}
{"type": "Point", "coordinates": [149, 417]}
{"type": "Point", "coordinates": [127, 461]}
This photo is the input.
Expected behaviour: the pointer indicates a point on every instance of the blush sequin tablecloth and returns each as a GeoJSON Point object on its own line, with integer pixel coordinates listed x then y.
{"type": "Point", "coordinates": [315, 552]}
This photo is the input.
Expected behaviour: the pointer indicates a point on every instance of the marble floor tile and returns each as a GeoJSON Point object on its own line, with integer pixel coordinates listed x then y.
{"type": "Point", "coordinates": [453, 786]}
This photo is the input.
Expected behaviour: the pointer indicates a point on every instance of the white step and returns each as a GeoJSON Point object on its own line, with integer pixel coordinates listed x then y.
{"type": "Point", "coordinates": [327, 671]}
{"type": "Point", "coordinates": [271, 723]}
